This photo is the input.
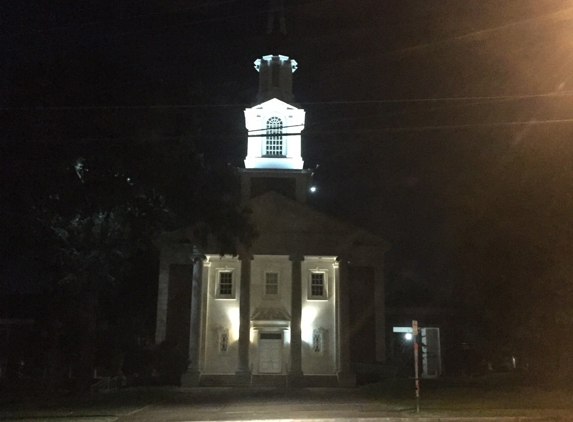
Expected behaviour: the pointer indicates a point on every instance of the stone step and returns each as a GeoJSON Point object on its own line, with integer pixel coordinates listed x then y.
{"type": "Point", "coordinates": [224, 381]}
{"type": "Point", "coordinates": [270, 381]}
{"type": "Point", "coordinates": [278, 381]}
{"type": "Point", "coordinates": [319, 381]}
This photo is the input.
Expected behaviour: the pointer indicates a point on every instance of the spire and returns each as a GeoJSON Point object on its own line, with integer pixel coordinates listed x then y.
{"type": "Point", "coordinates": [275, 68]}
{"type": "Point", "coordinates": [276, 14]}
{"type": "Point", "coordinates": [276, 27]}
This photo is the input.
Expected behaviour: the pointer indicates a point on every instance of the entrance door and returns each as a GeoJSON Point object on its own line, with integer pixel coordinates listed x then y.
{"type": "Point", "coordinates": [270, 353]}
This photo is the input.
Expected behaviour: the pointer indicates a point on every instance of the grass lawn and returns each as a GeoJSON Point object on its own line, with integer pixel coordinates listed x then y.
{"type": "Point", "coordinates": [503, 393]}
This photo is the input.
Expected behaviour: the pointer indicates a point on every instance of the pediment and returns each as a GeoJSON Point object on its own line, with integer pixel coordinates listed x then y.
{"type": "Point", "coordinates": [270, 314]}
{"type": "Point", "coordinates": [274, 104]}
{"type": "Point", "coordinates": [286, 226]}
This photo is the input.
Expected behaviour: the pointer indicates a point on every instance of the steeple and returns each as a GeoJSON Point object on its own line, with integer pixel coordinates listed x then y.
{"type": "Point", "coordinates": [276, 69]}
{"type": "Point", "coordinates": [276, 15]}
{"type": "Point", "coordinates": [274, 161]}
{"type": "Point", "coordinates": [276, 27]}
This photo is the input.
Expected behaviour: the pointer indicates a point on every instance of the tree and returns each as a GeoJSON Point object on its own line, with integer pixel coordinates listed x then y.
{"type": "Point", "coordinates": [89, 185]}
{"type": "Point", "coordinates": [514, 229]}
{"type": "Point", "coordinates": [100, 209]}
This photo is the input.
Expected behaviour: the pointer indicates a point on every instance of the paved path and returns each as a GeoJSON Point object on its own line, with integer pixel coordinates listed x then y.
{"type": "Point", "coordinates": [310, 405]}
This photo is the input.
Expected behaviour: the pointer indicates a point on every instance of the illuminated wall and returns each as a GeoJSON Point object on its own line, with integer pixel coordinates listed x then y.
{"type": "Point", "coordinates": [319, 315]}
{"type": "Point", "coordinates": [256, 121]}
{"type": "Point", "coordinates": [279, 302]}
{"type": "Point", "coordinates": [221, 316]}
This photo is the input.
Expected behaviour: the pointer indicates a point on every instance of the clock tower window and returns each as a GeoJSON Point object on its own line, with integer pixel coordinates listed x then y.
{"type": "Point", "coordinates": [274, 145]}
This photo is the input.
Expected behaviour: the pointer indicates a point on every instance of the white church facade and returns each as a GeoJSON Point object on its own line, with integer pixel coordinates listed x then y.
{"type": "Point", "coordinates": [305, 300]}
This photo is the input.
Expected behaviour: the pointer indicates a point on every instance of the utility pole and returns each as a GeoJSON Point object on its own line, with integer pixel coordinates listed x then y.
{"type": "Point", "coordinates": [416, 371]}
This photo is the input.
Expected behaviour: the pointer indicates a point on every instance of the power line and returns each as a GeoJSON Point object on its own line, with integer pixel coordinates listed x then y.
{"type": "Point", "coordinates": [409, 111]}
{"type": "Point", "coordinates": [444, 99]}
{"type": "Point", "coordinates": [126, 18]}
{"type": "Point", "coordinates": [481, 32]}
{"type": "Point", "coordinates": [471, 35]}
{"type": "Point", "coordinates": [123, 107]}
{"type": "Point", "coordinates": [196, 22]}
{"type": "Point", "coordinates": [329, 132]}
{"type": "Point", "coordinates": [490, 99]}
{"type": "Point", "coordinates": [466, 126]}
{"type": "Point", "coordinates": [426, 128]}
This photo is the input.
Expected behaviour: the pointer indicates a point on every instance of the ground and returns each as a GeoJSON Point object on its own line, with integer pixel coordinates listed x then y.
{"type": "Point", "coordinates": [483, 399]}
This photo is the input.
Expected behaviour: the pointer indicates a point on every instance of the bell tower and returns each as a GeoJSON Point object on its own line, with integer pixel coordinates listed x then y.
{"type": "Point", "coordinates": [275, 78]}
{"type": "Point", "coordinates": [274, 154]}
{"type": "Point", "coordinates": [274, 124]}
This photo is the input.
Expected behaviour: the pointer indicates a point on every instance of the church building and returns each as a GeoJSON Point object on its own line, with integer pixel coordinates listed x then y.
{"type": "Point", "coordinates": [302, 304]}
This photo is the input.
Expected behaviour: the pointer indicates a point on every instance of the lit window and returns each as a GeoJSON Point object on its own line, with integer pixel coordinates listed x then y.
{"type": "Point", "coordinates": [317, 342]}
{"type": "Point", "coordinates": [274, 145]}
{"type": "Point", "coordinates": [225, 287]}
{"type": "Point", "coordinates": [317, 285]}
{"type": "Point", "coordinates": [271, 284]}
{"type": "Point", "coordinates": [223, 341]}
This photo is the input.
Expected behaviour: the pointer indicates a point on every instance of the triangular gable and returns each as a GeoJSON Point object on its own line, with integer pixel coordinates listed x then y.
{"type": "Point", "coordinates": [274, 103]}
{"type": "Point", "coordinates": [287, 226]}
{"type": "Point", "coordinates": [270, 314]}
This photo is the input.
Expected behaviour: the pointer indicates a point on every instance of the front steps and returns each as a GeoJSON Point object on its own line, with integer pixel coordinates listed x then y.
{"type": "Point", "coordinates": [268, 381]}
{"type": "Point", "coordinates": [224, 381]}
{"type": "Point", "coordinates": [276, 381]}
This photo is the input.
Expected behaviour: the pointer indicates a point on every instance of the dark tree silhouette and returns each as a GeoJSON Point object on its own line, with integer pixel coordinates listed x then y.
{"type": "Point", "coordinates": [90, 185]}
{"type": "Point", "coordinates": [514, 242]}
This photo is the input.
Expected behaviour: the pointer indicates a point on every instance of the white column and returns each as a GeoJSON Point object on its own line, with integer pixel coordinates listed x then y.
{"type": "Point", "coordinates": [346, 377]}
{"type": "Point", "coordinates": [192, 376]}
{"type": "Point", "coordinates": [380, 316]}
{"type": "Point", "coordinates": [296, 315]}
{"type": "Point", "coordinates": [243, 367]}
{"type": "Point", "coordinates": [162, 296]}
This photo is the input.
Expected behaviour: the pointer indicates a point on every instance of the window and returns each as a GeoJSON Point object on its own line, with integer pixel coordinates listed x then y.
{"type": "Point", "coordinates": [271, 284]}
{"type": "Point", "coordinates": [271, 336]}
{"type": "Point", "coordinates": [317, 285]}
{"type": "Point", "coordinates": [274, 145]}
{"type": "Point", "coordinates": [317, 342]}
{"type": "Point", "coordinates": [225, 287]}
{"type": "Point", "coordinates": [276, 74]}
{"type": "Point", "coordinates": [223, 341]}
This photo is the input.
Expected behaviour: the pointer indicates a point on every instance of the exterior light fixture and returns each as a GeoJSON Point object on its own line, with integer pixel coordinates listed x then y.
{"type": "Point", "coordinates": [408, 336]}
{"type": "Point", "coordinates": [313, 189]}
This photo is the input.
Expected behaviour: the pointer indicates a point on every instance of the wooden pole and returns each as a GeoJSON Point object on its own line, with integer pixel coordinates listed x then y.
{"type": "Point", "coordinates": [416, 371]}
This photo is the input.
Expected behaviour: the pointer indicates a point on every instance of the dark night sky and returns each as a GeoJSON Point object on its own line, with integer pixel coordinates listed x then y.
{"type": "Point", "coordinates": [410, 104]}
